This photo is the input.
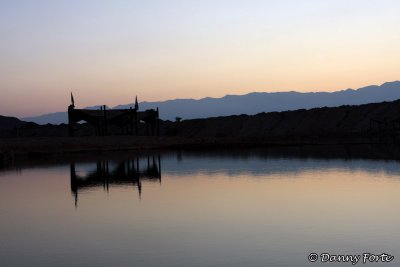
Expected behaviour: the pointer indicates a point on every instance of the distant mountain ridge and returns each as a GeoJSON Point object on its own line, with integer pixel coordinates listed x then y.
{"type": "Point", "coordinates": [253, 103]}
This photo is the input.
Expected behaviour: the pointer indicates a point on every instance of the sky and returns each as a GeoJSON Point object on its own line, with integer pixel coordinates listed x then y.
{"type": "Point", "coordinates": [107, 52]}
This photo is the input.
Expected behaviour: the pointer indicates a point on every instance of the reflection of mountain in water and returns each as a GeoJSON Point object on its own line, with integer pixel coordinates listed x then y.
{"type": "Point", "coordinates": [285, 160]}
{"type": "Point", "coordinates": [123, 173]}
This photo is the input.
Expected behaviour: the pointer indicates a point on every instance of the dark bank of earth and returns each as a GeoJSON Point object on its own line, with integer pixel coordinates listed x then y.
{"type": "Point", "coordinates": [337, 122]}
{"type": "Point", "coordinates": [378, 122]}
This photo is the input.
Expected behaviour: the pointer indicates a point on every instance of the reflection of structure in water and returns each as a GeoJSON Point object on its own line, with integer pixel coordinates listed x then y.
{"type": "Point", "coordinates": [126, 172]}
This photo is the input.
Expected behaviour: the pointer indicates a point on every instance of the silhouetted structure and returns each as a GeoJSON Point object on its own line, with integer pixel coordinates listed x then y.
{"type": "Point", "coordinates": [126, 172]}
{"type": "Point", "coordinates": [127, 120]}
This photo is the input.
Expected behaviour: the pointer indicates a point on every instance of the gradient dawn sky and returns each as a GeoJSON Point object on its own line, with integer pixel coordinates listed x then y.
{"type": "Point", "coordinates": [107, 52]}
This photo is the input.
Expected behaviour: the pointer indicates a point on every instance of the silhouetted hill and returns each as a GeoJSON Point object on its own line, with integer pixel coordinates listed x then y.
{"type": "Point", "coordinates": [9, 123]}
{"type": "Point", "coordinates": [317, 123]}
{"type": "Point", "coordinates": [254, 103]}
{"type": "Point", "coordinates": [13, 127]}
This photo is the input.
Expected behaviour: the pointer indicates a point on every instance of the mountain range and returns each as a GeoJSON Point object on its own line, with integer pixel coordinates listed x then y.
{"type": "Point", "coordinates": [252, 103]}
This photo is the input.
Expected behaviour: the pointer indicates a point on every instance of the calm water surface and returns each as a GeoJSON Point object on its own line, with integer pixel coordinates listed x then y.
{"type": "Point", "coordinates": [199, 209]}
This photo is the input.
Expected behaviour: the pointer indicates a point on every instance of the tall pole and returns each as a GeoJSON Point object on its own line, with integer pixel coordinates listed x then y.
{"type": "Point", "coordinates": [70, 121]}
{"type": "Point", "coordinates": [158, 122]}
{"type": "Point", "coordinates": [105, 120]}
{"type": "Point", "coordinates": [71, 108]}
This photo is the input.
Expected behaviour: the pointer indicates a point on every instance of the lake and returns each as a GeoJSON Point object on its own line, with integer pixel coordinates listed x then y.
{"type": "Point", "coordinates": [264, 207]}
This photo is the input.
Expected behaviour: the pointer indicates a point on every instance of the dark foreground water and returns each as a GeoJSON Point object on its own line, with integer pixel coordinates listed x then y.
{"type": "Point", "coordinates": [233, 208]}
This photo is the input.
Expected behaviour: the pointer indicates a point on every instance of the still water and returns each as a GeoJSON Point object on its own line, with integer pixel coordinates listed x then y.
{"type": "Point", "coordinates": [223, 208]}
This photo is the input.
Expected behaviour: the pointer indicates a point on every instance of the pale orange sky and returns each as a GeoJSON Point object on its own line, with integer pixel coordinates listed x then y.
{"type": "Point", "coordinates": [109, 52]}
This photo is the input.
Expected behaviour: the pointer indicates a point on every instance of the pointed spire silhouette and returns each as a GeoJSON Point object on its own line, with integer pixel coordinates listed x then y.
{"type": "Point", "coordinates": [72, 100]}
{"type": "Point", "coordinates": [136, 104]}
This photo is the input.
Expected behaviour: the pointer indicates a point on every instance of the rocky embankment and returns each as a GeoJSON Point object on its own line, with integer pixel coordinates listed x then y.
{"type": "Point", "coordinates": [337, 122]}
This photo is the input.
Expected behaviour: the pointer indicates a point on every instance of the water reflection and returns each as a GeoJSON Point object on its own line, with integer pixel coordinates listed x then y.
{"type": "Point", "coordinates": [122, 173]}
{"type": "Point", "coordinates": [266, 207]}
